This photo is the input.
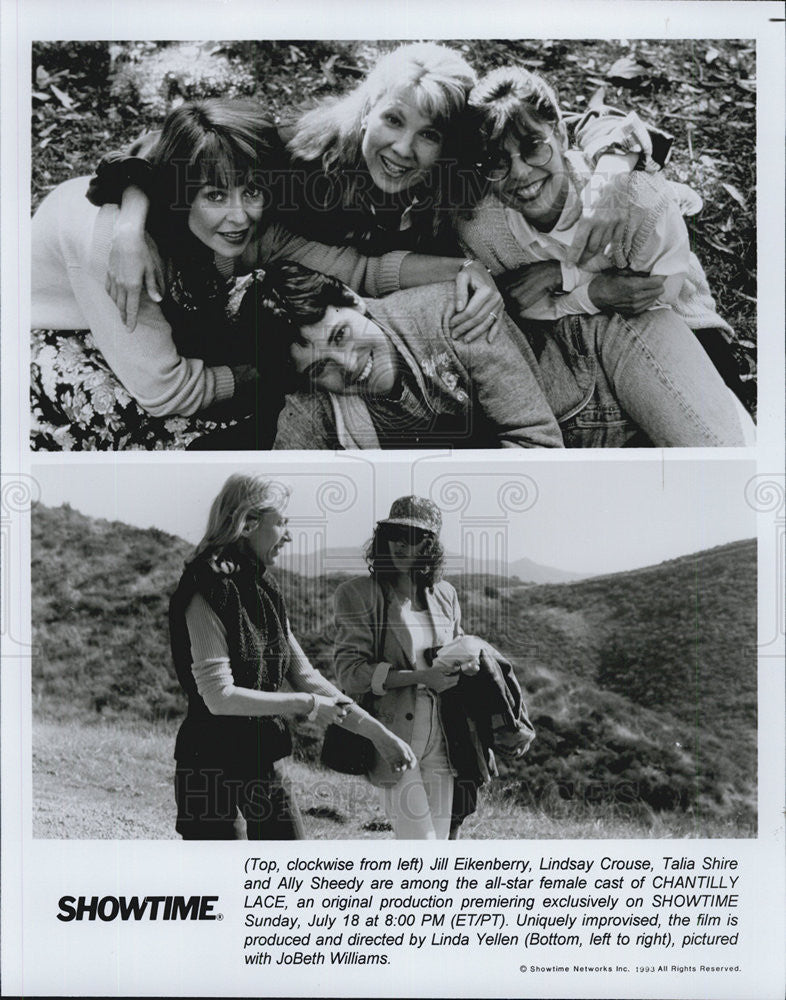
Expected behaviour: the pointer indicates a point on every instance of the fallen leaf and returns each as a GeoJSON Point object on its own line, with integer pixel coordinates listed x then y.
{"type": "Point", "coordinates": [736, 194]}
{"type": "Point", "coordinates": [722, 249]}
{"type": "Point", "coordinates": [327, 69]}
{"type": "Point", "coordinates": [712, 55]}
{"type": "Point", "coordinates": [598, 99]}
{"type": "Point", "coordinates": [63, 97]}
{"type": "Point", "coordinates": [627, 68]}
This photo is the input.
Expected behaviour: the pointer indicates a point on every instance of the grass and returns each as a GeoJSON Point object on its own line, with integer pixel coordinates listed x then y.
{"type": "Point", "coordinates": [639, 701]}
{"type": "Point", "coordinates": [113, 781]}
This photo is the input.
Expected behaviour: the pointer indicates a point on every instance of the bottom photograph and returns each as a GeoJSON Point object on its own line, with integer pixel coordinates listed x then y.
{"type": "Point", "coordinates": [347, 649]}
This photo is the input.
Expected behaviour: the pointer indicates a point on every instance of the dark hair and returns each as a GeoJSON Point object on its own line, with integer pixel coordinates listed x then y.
{"type": "Point", "coordinates": [511, 101]}
{"type": "Point", "coordinates": [219, 141]}
{"type": "Point", "coordinates": [289, 297]}
{"type": "Point", "coordinates": [380, 565]}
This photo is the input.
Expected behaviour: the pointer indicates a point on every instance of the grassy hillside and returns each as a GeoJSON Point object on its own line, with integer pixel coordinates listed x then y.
{"type": "Point", "coordinates": [641, 685]}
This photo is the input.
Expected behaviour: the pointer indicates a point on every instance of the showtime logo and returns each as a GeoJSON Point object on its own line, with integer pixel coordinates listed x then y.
{"type": "Point", "coordinates": [138, 908]}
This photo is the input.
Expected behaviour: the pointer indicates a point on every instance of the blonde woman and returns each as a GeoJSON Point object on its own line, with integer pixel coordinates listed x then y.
{"type": "Point", "coordinates": [234, 654]}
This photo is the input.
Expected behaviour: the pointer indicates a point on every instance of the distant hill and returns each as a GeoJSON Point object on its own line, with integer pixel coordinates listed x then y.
{"type": "Point", "coordinates": [531, 572]}
{"type": "Point", "coordinates": [349, 559]}
{"type": "Point", "coordinates": [641, 685]}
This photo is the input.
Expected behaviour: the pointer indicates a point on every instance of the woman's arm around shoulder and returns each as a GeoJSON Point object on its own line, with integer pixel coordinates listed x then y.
{"type": "Point", "coordinates": [70, 252]}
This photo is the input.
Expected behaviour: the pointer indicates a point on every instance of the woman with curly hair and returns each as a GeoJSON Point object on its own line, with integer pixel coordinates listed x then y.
{"type": "Point", "coordinates": [234, 652]}
{"type": "Point", "coordinates": [392, 627]}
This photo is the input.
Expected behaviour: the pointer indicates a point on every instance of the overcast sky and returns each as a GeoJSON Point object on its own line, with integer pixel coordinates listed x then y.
{"type": "Point", "coordinates": [588, 517]}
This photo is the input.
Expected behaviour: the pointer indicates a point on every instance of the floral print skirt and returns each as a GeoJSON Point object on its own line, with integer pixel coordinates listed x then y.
{"type": "Point", "coordinates": [78, 404]}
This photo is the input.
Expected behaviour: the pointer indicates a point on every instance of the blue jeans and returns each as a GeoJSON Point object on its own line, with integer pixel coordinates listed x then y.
{"type": "Point", "coordinates": [608, 377]}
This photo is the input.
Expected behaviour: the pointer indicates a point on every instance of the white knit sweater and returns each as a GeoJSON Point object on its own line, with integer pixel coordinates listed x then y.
{"type": "Point", "coordinates": [653, 216]}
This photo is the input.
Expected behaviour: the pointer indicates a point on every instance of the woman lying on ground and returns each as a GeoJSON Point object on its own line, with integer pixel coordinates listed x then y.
{"type": "Point", "coordinates": [211, 221]}
{"type": "Point", "coordinates": [234, 651]}
{"type": "Point", "coordinates": [632, 305]}
{"type": "Point", "coordinates": [387, 373]}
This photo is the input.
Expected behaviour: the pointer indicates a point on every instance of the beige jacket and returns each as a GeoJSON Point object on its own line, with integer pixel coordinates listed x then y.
{"type": "Point", "coordinates": [360, 649]}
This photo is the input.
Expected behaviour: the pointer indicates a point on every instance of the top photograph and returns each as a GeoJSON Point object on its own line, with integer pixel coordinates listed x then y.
{"type": "Point", "coordinates": [322, 245]}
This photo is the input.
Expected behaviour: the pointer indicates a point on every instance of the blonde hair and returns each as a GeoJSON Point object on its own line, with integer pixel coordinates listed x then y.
{"type": "Point", "coordinates": [242, 498]}
{"type": "Point", "coordinates": [438, 80]}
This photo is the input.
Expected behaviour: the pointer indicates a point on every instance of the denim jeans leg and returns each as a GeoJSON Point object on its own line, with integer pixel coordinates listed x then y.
{"type": "Point", "coordinates": [576, 387]}
{"type": "Point", "coordinates": [665, 381]}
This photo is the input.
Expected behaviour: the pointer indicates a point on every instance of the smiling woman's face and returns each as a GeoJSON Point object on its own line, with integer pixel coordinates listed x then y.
{"type": "Point", "coordinates": [400, 144]}
{"type": "Point", "coordinates": [537, 192]}
{"type": "Point", "coordinates": [224, 219]}
{"type": "Point", "coordinates": [346, 352]}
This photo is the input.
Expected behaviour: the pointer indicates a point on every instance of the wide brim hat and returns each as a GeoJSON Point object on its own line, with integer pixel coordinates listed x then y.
{"type": "Point", "coordinates": [415, 512]}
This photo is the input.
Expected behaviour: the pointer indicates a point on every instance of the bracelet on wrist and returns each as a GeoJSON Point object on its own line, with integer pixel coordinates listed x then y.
{"type": "Point", "coordinates": [314, 711]}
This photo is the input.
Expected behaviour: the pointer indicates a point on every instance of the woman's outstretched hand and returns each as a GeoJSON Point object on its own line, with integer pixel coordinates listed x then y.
{"type": "Point", "coordinates": [479, 304]}
{"type": "Point", "coordinates": [134, 264]}
{"type": "Point", "coordinates": [397, 754]}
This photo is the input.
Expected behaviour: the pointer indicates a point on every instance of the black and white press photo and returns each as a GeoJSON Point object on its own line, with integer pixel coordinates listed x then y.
{"type": "Point", "coordinates": [546, 652]}
{"type": "Point", "coordinates": [392, 505]}
{"type": "Point", "coordinates": [395, 244]}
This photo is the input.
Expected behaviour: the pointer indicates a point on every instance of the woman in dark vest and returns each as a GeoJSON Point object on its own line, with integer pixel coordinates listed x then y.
{"type": "Point", "coordinates": [233, 650]}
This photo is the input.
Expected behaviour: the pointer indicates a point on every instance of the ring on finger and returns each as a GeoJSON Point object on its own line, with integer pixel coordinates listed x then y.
{"type": "Point", "coordinates": [493, 317]}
